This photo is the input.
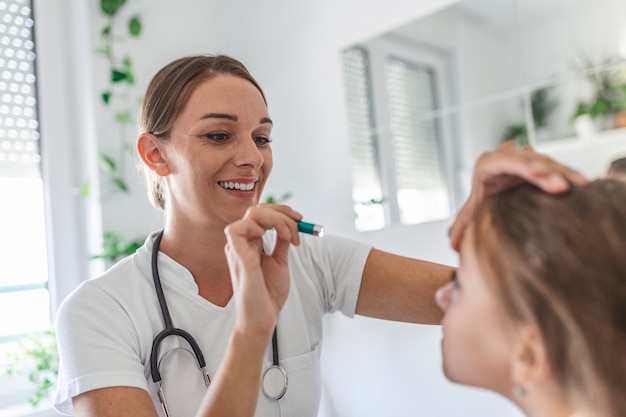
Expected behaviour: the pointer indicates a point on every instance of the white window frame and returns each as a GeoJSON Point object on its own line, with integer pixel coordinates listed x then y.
{"type": "Point", "coordinates": [64, 91]}
{"type": "Point", "coordinates": [378, 50]}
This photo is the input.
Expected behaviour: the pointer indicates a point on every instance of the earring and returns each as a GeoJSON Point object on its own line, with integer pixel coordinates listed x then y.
{"type": "Point", "coordinates": [520, 390]}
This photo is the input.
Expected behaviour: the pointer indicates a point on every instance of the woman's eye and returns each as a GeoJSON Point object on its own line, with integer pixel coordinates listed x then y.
{"type": "Point", "coordinates": [262, 140]}
{"type": "Point", "coordinates": [217, 137]}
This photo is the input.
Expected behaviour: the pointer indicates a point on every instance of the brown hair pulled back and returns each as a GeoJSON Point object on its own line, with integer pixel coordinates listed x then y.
{"type": "Point", "coordinates": [168, 93]}
{"type": "Point", "coordinates": [560, 262]}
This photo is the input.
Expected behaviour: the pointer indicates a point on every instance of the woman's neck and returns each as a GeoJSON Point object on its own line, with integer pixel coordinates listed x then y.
{"type": "Point", "coordinates": [201, 251]}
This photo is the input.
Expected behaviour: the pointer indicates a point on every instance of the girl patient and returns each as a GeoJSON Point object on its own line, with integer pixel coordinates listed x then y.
{"type": "Point", "coordinates": [537, 309]}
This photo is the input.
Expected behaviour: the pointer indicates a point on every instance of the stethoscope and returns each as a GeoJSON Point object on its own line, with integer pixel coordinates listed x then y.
{"type": "Point", "coordinates": [274, 382]}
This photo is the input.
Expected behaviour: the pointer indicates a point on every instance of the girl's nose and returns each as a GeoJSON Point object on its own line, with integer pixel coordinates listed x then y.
{"type": "Point", "coordinates": [443, 296]}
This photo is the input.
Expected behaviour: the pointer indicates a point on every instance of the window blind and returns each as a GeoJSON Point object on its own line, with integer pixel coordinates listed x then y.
{"type": "Point", "coordinates": [413, 136]}
{"type": "Point", "coordinates": [19, 135]}
{"type": "Point", "coordinates": [367, 193]}
{"type": "Point", "coordinates": [361, 124]}
{"type": "Point", "coordinates": [421, 186]}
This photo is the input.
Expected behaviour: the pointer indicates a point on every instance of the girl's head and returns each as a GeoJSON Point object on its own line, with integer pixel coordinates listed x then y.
{"type": "Point", "coordinates": [168, 93]}
{"type": "Point", "coordinates": [540, 301]}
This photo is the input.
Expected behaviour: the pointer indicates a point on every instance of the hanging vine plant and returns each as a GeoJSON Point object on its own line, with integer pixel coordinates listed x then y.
{"type": "Point", "coordinates": [114, 96]}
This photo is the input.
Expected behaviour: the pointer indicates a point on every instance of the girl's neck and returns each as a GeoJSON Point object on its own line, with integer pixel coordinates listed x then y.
{"type": "Point", "coordinates": [545, 400]}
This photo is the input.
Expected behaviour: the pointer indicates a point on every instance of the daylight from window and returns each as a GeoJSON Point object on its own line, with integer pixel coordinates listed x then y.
{"type": "Point", "coordinates": [398, 174]}
{"type": "Point", "coordinates": [24, 298]}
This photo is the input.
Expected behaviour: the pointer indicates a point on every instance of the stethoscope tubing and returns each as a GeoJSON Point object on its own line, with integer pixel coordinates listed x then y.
{"type": "Point", "coordinates": [170, 330]}
{"type": "Point", "coordinates": [169, 327]}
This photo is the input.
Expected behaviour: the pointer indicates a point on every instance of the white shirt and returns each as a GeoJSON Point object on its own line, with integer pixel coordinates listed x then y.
{"type": "Point", "coordinates": [105, 328]}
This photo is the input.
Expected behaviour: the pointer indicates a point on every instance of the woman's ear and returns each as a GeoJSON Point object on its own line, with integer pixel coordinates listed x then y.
{"type": "Point", "coordinates": [149, 148]}
{"type": "Point", "coordinates": [530, 361]}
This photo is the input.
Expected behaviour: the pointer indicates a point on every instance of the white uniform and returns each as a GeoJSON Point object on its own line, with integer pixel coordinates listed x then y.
{"type": "Point", "coordinates": [106, 326]}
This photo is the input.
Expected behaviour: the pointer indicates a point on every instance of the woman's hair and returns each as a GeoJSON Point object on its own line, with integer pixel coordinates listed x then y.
{"type": "Point", "coordinates": [559, 262]}
{"type": "Point", "coordinates": [168, 93]}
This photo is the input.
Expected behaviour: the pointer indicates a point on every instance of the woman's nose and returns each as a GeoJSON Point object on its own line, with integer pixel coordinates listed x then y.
{"type": "Point", "coordinates": [443, 296]}
{"type": "Point", "coordinates": [248, 154]}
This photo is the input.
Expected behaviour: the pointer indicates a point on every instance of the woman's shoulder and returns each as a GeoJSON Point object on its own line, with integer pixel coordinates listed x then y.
{"type": "Point", "coordinates": [330, 245]}
{"type": "Point", "coordinates": [120, 280]}
{"type": "Point", "coordinates": [125, 271]}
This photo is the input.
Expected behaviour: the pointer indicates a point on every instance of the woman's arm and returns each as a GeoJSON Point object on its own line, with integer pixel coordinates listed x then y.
{"type": "Point", "coordinates": [402, 289]}
{"type": "Point", "coordinates": [114, 402]}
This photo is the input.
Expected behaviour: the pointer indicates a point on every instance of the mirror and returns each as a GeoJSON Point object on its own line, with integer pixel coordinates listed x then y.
{"type": "Point", "coordinates": [554, 55]}
{"type": "Point", "coordinates": [533, 71]}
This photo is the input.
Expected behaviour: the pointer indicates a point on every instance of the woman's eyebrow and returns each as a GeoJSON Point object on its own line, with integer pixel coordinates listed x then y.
{"type": "Point", "coordinates": [219, 116]}
{"type": "Point", "coordinates": [232, 117]}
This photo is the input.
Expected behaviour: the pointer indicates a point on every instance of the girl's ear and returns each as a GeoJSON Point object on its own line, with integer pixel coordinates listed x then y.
{"type": "Point", "coordinates": [530, 361]}
{"type": "Point", "coordinates": [149, 148]}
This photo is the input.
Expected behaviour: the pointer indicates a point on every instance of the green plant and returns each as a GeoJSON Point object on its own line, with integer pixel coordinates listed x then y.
{"type": "Point", "coordinates": [608, 83]}
{"type": "Point", "coordinates": [115, 247]}
{"type": "Point", "coordinates": [115, 95]}
{"type": "Point", "coordinates": [270, 199]}
{"type": "Point", "coordinates": [372, 201]}
{"type": "Point", "coordinates": [37, 357]}
{"type": "Point", "coordinates": [516, 132]}
{"type": "Point", "coordinates": [542, 105]}
{"type": "Point", "coordinates": [595, 108]}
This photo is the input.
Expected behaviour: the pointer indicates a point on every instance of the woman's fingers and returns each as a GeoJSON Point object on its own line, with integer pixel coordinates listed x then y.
{"type": "Point", "coordinates": [261, 280]}
{"type": "Point", "coordinates": [259, 219]}
{"type": "Point", "coordinates": [506, 167]}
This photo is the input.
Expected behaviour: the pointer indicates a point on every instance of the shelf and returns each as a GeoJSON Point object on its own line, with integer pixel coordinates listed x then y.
{"type": "Point", "coordinates": [592, 156]}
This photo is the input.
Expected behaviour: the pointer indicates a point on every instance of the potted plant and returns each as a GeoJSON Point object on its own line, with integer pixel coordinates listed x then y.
{"type": "Point", "coordinates": [36, 357]}
{"type": "Point", "coordinates": [606, 108]}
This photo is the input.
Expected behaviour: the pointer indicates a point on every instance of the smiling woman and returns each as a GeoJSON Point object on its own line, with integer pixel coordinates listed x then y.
{"type": "Point", "coordinates": [206, 150]}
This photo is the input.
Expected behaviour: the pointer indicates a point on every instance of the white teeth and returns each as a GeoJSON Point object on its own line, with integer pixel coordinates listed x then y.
{"type": "Point", "coordinates": [229, 185]}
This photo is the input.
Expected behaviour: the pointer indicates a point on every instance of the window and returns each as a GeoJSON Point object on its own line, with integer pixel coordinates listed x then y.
{"type": "Point", "coordinates": [24, 298]}
{"type": "Point", "coordinates": [398, 169]}
{"type": "Point", "coordinates": [367, 192]}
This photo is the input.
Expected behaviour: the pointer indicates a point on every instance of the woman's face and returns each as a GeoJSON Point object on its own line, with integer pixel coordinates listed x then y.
{"type": "Point", "coordinates": [478, 339]}
{"type": "Point", "coordinates": [218, 154]}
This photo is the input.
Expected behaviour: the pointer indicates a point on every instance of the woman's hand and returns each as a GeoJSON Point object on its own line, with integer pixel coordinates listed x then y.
{"type": "Point", "coordinates": [260, 280]}
{"type": "Point", "coordinates": [504, 168]}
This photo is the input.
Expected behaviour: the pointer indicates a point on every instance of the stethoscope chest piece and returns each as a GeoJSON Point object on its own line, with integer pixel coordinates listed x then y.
{"type": "Point", "coordinates": [274, 382]}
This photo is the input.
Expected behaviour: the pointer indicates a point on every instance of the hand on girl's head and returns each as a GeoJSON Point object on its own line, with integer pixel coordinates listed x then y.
{"type": "Point", "coordinates": [506, 167]}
